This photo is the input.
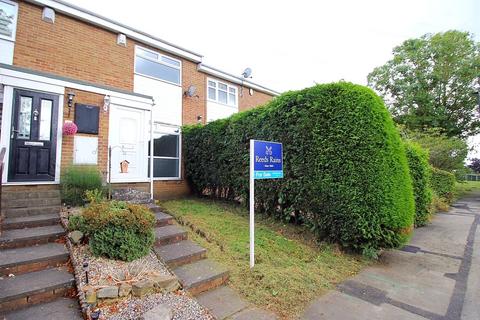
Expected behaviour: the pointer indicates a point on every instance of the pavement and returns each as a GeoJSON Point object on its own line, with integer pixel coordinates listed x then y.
{"type": "Point", "coordinates": [436, 276]}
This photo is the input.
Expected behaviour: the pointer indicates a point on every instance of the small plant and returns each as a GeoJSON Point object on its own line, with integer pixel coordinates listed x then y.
{"type": "Point", "coordinates": [94, 196]}
{"type": "Point", "coordinates": [119, 230]}
{"type": "Point", "coordinates": [78, 179]}
{"type": "Point", "coordinates": [77, 222]}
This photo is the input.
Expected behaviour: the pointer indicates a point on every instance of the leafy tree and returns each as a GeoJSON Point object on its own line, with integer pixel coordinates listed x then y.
{"type": "Point", "coordinates": [446, 153]}
{"type": "Point", "coordinates": [429, 83]}
{"type": "Point", "coordinates": [475, 165]}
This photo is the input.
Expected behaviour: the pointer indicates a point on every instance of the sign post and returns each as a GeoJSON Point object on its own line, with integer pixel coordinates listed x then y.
{"type": "Point", "coordinates": [266, 162]}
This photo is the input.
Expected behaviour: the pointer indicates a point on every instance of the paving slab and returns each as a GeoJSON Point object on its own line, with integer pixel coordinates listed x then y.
{"type": "Point", "coordinates": [222, 302]}
{"type": "Point", "coordinates": [169, 231]}
{"type": "Point", "coordinates": [31, 233]}
{"type": "Point", "coordinates": [336, 305]}
{"type": "Point", "coordinates": [34, 282]}
{"type": "Point", "coordinates": [17, 256]}
{"type": "Point", "coordinates": [471, 307]}
{"type": "Point", "coordinates": [184, 250]}
{"type": "Point", "coordinates": [254, 313]}
{"type": "Point", "coordinates": [199, 272]}
{"type": "Point", "coordinates": [60, 309]}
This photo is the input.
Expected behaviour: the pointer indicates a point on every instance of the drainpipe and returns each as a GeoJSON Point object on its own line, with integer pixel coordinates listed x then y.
{"type": "Point", "coordinates": [151, 150]}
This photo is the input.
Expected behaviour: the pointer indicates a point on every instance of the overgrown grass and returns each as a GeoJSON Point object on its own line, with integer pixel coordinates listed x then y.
{"type": "Point", "coordinates": [463, 188]}
{"type": "Point", "coordinates": [291, 268]}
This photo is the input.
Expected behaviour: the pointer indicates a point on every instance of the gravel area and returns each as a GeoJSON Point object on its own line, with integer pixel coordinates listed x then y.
{"type": "Point", "coordinates": [103, 271]}
{"type": "Point", "coordinates": [183, 307]}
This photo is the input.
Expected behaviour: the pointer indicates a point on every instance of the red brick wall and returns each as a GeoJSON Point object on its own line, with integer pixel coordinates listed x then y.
{"type": "Point", "coordinates": [250, 101]}
{"type": "Point", "coordinates": [89, 98]}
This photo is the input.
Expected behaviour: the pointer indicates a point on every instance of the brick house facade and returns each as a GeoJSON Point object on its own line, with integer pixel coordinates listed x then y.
{"type": "Point", "coordinates": [138, 83]}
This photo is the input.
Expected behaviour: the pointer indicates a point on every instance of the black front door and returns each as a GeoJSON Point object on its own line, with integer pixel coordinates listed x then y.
{"type": "Point", "coordinates": [33, 139]}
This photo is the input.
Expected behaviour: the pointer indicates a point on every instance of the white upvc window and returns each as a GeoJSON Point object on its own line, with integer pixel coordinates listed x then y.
{"type": "Point", "coordinates": [157, 66]}
{"type": "Point", "coordinates": [8, 19]}
{"type": "Point", "coordinates": [166, 152]}
{"type": "Point", "coordinates": [221, 92]}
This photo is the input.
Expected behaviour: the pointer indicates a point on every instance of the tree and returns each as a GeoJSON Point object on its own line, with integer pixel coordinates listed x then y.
{"type": "Point", "coordinates": [428, 83]}
{"type": "Point", "coordinates": [475, 165]}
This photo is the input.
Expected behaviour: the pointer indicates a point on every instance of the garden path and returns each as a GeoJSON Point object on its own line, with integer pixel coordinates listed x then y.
{"type": "Point", "coordinates": [436, 276]}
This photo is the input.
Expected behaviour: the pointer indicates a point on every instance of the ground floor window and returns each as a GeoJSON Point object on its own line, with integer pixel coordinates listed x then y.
{"type": "Point", "coordinates": [166, 152]}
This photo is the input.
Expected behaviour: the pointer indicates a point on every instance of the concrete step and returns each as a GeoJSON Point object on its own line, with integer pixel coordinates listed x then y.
{"type": "Point", "coordinates": [163, 219]}
{"type": "Point", "coordinates": [201, 276]}
{"type": "Point", "coordinates": [25, 203]}
{"type": "Point", "coordinates": [40, 220]}
{"type": "Point", "coordinates": [30, 211]}
{"type": "Point", "coordinates": [180, 253]}
{"type": "Point", "coordinates": [169, 234]}
{"type": "Point", "coordinates": [34, 258]}
{"type": "Point", "coordinates": [59, 309]}
{"type": "Point", "coordinates": [34, 287]}
{"type": "Point", "coordinates": [153, 207]}
{"type": "Point", "coordinates": [18, 238]}
{"type": "Point", "coordinates": [30, 194]}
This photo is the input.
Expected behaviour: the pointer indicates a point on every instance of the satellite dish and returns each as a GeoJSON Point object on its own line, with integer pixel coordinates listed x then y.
{"type": "Point", "coordinates": [191, 91]}
{"type": "Point", "coordinates": [247, 73]}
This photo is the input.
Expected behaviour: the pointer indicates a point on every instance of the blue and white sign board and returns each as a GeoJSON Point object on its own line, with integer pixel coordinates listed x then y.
{"type": "Point", "coordinates": [266, 162]}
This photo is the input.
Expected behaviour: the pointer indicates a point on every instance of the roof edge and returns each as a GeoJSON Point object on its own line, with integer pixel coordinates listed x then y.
{"type": "Point", "coordinates": [109, 24]}
{"type": "Point", "coordinates": [235, 79]}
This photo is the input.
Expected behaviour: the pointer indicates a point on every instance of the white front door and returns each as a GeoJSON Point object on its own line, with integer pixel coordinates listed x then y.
{"type": "Point", "coordinates": [128, 141]}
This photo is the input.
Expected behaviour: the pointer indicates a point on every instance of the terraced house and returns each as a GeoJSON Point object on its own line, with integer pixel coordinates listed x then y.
{"type": "Point", "coordinates": [126, 91]}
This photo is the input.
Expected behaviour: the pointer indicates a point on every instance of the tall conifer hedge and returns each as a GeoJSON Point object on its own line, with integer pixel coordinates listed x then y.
{"type": "Point", "coordinates": [345, 167]}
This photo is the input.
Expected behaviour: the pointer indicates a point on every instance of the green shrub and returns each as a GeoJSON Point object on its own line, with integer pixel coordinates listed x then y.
{"type": "Point", "coordinates": [76, 180]}
{"type": "Point", "coordinates": [345, 168]}
{"type": "Point", "coordinates": [419, 168]}
{"type": "Point", "coordinates": [443, 184]}
{"type": "Point", "coordinates": [77, 222]}
{"type": "Point", "coordinates": [94, 196]}
{"type": "Point", "coordinates": [119, 230]}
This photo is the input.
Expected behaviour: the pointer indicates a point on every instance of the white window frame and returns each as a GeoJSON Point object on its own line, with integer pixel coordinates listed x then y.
{"type": "Point", "coordinates": [12, 38]}
{"type": "Point", "coordinates": [159, 61]}
{"type": "Point", "coordinates": [179, 134]}
{"type": "Point", "coordinates": [229, 86]}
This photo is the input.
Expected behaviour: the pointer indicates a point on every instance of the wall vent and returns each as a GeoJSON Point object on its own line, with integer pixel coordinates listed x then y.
{"type": "Point", "coordinates": [122, 40]}
{"type": "Point", "coordinates": [48, 15]}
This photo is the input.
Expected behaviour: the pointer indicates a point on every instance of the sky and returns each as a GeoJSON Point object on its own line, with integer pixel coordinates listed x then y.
{"type": "Point", "coordinates": [292, 44]}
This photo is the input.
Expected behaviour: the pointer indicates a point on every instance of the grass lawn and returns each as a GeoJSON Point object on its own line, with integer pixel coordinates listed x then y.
{"type": "Point", "coordinates": [465, 187]}
{"type": "Point", "coordinates": [291, 268]}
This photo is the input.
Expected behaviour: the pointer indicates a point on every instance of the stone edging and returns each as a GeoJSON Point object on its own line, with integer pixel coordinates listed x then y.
{"type": "Point", "coordinates": [77, 272]}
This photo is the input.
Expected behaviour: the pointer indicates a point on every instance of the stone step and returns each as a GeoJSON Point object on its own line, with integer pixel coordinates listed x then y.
{"type": "Point", "coordinates": [40, 220]}
{"type": "Point", "coordinates": [169, 234]}
{"type": "Point", "coordinates": [30, 211]}
{"type": "Point", "coordinates": [59, 309]}
{"type": "Point", "coordinates": [163, 219]}
{"type": "Point", "coordinates": [17, 238]}
{"type": "Point", "coordinates": [30, 194]}
{"type": "Point", "coordinates": [180, 253]}
{"type": "Point", "coordinates": [21, 260]}
{"type": "Point", "coordinates": [153, 207]}
{"type": "Point", "coordinates": [25, 203]}
{"type": "Point", "coordinates": [201, 276]}
{"type": "Point", "coordinates": [34, 287]}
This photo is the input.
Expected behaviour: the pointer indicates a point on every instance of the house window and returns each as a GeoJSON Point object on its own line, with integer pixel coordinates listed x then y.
{"type": "Point", "coordinates": [166, 152]}
{"type": "Point", "coordinates": [222, 93]}
{"type": "Point", "coordinates": [155, 65]}
{"type": "Point", "coordinates": [8, 19]}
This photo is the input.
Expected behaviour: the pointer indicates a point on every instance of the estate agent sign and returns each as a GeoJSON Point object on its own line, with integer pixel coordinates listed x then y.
{"type": "Point", "coordinates": [266, 162]}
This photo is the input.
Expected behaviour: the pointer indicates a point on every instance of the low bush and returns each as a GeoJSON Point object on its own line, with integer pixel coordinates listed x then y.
{"type": "Point", "coordinates": [443, 184]}
{"type": "Point", "coordinates": [76, 180]}
{"type": "Point", "coordinates": [119, 230]}
{"type": "Point", "coordinates": [77, 222]}
{"type": "Point", "coordinates": [345, 168]}
{"type": "Point", "coordinates": [420, 173]}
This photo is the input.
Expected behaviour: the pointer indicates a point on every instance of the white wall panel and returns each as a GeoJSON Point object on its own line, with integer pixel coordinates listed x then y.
{"type": "Point", "coordinates": [6, 51]}
{"type": "Point", "coordinates": [217, 111]}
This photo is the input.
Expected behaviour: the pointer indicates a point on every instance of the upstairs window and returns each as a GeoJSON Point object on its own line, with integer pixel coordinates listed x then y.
{"type": "Point", "coordinates": [222, 93]}
{"type": "Point", "coordinates": [8, 19]}
{"type": "Point", "coordinates": [155, 65]}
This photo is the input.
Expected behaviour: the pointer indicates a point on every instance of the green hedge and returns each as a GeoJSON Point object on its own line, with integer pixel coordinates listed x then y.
{"type": "Point", "coordinates": [346, 171]}
{"type": "Point", "coordinates": [443, 184]}
{"type": "Point", "coordinates": [420, 173]}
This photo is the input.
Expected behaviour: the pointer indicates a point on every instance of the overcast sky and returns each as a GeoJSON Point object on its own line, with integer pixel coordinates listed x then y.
{"type": "Point", "coordinates": [292, 44]}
